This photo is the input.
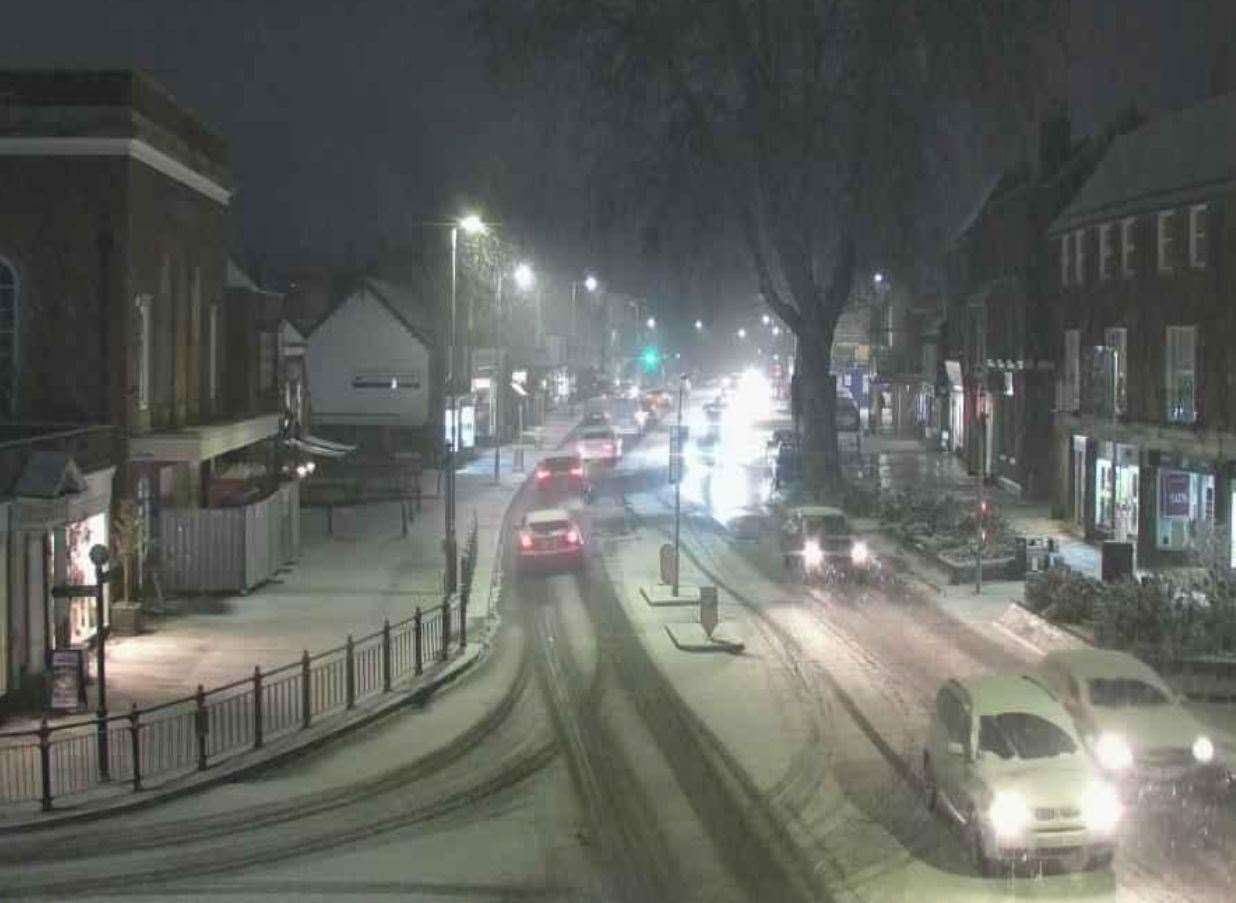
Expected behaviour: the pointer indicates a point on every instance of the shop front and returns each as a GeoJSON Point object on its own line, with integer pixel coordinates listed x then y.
{"type": "Point", "coordinates": [1116, 489]}
{"type": "Point", "coordinates": [956, 440]}
{"type": "Point", "coordinates": [1186, 497]}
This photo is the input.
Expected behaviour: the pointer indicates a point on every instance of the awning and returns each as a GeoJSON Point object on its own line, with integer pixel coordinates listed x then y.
{"type": "Point", "coordinates": [323, 448]}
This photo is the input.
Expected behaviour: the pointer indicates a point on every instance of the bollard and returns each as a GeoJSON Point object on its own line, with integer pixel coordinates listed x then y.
{"type": "Point", "coordinates": [135, 737]}
{"type": "Point", "coordinates": [306, 691]}
{"type": "Point", "coordinates": [200, 719]}
{"type": "Point", "coordinates": [386, 655]}
{"type": "Point", "coordinates": [417, 620]}
{"type": "Point", "coordinates": [257, 707]}
{"type": "Point", "coordinates": [350, 676]}
{"type": "Point", "coordinates": [446, 627]}
{"type": "Point", "coordinates": [45, 763]}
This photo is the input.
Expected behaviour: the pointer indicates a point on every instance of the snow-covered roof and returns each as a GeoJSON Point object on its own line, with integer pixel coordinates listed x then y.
{"type": "Point", "coordinates": [404, 304]}
{"type": "Point", "coordinates": [1174, 159]}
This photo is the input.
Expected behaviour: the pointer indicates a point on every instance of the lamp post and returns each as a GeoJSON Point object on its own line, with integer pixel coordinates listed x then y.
{"type": "Point", "coordinates": [471, 225]}
{"type": "Point", "coordinates": [99, 556]}
{"type": "Point", "coordinates": [590, 284]}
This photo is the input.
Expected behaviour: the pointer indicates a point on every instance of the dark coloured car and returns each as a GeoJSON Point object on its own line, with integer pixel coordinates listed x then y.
{"type": "Point", "coordinates": [549, 540]}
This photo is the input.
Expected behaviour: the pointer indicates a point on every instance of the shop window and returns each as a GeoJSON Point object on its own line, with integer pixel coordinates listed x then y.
{"type": "Point", "coordinates": [1181, 373]}
{"type": "Point", "coordinates": [1165, 240]}
{"type": "Point", "coordinates": [1105, 250]}
{"type": "Point", "coordinates": [1126, 247]}
{"type": "Point", "coordinates": [8, 339]}
{"type": "Point", "coordinates": [1197, 236]}
{"type": "Point", "coordinates": [1186, 508]}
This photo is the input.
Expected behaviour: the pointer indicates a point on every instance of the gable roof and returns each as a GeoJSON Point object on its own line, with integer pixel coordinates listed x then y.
{"type": "Point", "coordinates": [402, 303]}
{"type": "Point", "coordinates": [238, 279]}
{"type": "Point", "coordinates": [49, 475]}
{"type": "Point", "coordinates": [1174, 159]}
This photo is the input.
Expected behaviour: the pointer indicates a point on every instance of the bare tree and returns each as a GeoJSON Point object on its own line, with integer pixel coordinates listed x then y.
{"type": "Point", "coordinates": [810, 121]}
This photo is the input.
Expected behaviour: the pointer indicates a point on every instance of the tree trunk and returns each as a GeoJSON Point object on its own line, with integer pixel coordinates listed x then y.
{"type": "Point", "coordinates": [818, 389]}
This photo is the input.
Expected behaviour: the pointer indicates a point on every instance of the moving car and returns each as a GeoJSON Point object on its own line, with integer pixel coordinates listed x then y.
{"type": "Point", "coordinates": [600, 444]}
{"type": "Point", "coordinates": [1131, 721]}
{"type": "Point", "coordinates": [1004, 761]}
{"type": "Point", "coordinates": [549, 540]}
{"type": "Point", "coordinates": [816, 541]}
{"type": "Point", "coordinates": [595, 418]}
{"type": "Point", "coordinates": [561, 472]}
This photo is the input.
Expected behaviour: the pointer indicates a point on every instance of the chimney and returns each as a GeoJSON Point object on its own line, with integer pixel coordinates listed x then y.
{"type": "Point", "coordinates": [1055, 140]}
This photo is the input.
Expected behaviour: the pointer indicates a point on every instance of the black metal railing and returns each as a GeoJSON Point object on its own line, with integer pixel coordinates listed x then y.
{"type": "Point", "coordinates": [56, 761]}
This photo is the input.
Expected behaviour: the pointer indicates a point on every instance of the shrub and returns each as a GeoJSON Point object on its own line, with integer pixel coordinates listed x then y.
{"type": "Point", "coordinates": [1063, 595]}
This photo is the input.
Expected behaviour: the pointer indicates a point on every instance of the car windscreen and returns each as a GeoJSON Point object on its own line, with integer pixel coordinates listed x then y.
{"type": "Point", "coordinates": [830, 525]}
{"type": "Point", "coordinates": [1023, 735]}
{"type": "Point", "coordinates": [559, 464]}
{"type": "Point", "coordinates": [546, 527]}
{"type": "Point", "coordinates": [1111, 692]}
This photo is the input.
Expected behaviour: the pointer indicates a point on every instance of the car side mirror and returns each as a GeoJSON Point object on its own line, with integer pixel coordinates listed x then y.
{"type": "Point", "coordinates": [956, 749]}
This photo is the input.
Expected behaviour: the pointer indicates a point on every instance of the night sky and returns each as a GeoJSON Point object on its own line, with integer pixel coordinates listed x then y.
{"type": "Point", "coordinates": [352, 121]}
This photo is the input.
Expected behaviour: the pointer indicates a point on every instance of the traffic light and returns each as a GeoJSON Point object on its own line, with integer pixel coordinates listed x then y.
{"type": "Point", "coordinates": [651, 358]}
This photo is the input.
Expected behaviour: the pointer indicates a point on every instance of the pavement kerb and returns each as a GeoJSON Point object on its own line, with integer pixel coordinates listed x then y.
{"type": "Point", "coordinates": [284, 749]}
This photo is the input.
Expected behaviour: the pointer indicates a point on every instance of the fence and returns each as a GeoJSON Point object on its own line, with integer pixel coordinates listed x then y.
{"type": "Point", "coordinates": [229, 549]}
{"type": "Point", "coordinates": [193, 733]}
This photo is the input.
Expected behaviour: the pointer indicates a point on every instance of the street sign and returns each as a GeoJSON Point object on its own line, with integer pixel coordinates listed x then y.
{"type": "Point", "coordinates": [708, 609]}
{"type": "Point", "coordinates": [675, 454]}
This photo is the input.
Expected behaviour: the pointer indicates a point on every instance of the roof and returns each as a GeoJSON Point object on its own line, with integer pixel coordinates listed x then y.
{"type": "Point", "coordinates": [238, 279]}
{"type": "Point", "coordinates": [1171, 160]}
{"type": "Point", "coordinates": [547, 516]}
{"type": "Point", "coordinates": [1087, 663]}
{"type": "Point", "coordinates": [49, 475]}
{"type": "Point", "coordinates": [1009, 692]}
{"type": "Point", "coordinates": [400, 300]}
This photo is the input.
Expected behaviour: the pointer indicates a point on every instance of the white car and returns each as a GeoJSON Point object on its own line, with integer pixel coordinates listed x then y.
{"type": "Point", "coordinates": [1004, 761]}
{"type": "Point", "coordinates": [1131, 721]}
{"type": "Point", "coordinates": [600, 444]}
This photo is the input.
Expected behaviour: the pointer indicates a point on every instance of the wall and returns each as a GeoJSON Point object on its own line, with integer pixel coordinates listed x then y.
{"type": "Point", "coordinates": [364, 339]}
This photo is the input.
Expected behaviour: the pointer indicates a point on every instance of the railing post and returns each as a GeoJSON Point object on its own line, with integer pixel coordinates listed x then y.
{"type": "Point", "coordinates": [135, 738]}
{"type": "Point", "coordinates": [446, 627]}
{"type": "Point", "coordinates": [417, 624]}
{"type": "Point", "coordinates": [350, 677]}
{"type": "Point", "coordinates": [386, 655]}
{"type": "Point", "coordinates": [202, 725]}
{"type": "Point", "coordinates": [306, 690]}
{"type": "Point", "coordinates": [100, 721]}
{"type": "Point", "coordinates": [45, 763]}
{"type": "Point", "coordinates": [257, 707]}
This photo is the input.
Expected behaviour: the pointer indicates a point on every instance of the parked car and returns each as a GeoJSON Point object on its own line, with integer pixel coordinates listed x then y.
{"type": "Point", "coordinates": [1131, 721]}
{"type": "Point", "coordinates": [816, 541]}
{"type": "Point", "coordinates": [561, 472]}
{"type": "Point", "coordinates": [600, 444]}
{"type": "Point", "coordinates": [549, 539]}
{"type": "Point", "coordinates": [1004, 761]}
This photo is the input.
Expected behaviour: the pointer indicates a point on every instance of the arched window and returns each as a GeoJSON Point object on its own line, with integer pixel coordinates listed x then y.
{"type": "Point", "coordinates": [8, 338]}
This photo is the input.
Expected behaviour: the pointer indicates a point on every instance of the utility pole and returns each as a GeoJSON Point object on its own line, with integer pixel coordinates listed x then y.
{"type": "Point", "coordinates": [676, 473]}
{"type": "Point", "coordinates": [450, 574]}
{"type": "Point", "coordinates": [496, 387]}
{"type": "Point", "coordinates": [981, 519]}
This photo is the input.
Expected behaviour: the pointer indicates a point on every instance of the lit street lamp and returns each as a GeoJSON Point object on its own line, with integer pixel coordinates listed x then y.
{"type": "Point", "coordinates": [524, 277]}
{"type": "Point", "coordinates": [742, 333]}
{"type": "Point", "coordinates": [651, 322]}
{"type": "Point", "coordinates": [766, 319]}
{"type": "Point", "coordinates": [699, 325]}
{"type": "Point", "coordinates": [590, 283]}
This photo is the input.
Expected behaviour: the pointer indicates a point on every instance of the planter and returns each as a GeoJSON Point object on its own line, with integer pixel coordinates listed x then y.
{"type": "Point", "coordinates": [128, 618]}
{"type": "Point", "coordinates": [961, 569]}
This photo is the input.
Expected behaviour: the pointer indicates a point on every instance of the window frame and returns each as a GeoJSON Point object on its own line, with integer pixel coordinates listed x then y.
{"type": "Point", "coordinates": [1116, 338]}
{"type": "Point", "coordinates": [1105, 251]}
{"type": "Point", "coordinates": [1199, 235]}
{"type": "Point", "coordinates": [1127, 246]}
{"type": "Point", "coordinates": [142, 302]}
{"type": "Point", "coordinates": [1079, 257]}
{"type": "Point", "coordinates": [1066, 265]}
{"type": "Point", "coordinates": [1173, 370]}
{"type": "Point", "coordinates": [1163, 240]}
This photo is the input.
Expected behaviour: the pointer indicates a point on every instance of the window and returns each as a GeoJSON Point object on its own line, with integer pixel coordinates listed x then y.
{"type": "Point", "coordinates": [1197, 236]}
{"type": "Point", "coordinates": [8, 339]}
{"type": "Point", "coordinates": [1071, 385]}
{"type": "Point", "coordinates": [1126, 247]}
{"type": "Point", "coordinates": [1079, 257]}
{"type": "Point", "coordinates": [1181, 374]}
{"type": "Point", "coordinates": [1165, 241]}
{"type": "Point", "coordinates": [143, 352]}
{"type": "Point", "coordinates": [1116, 339]}
{"type": "Point", "coordinates": [1105, 250]}
{"type": "Point", "coordinates": [1066, 242]}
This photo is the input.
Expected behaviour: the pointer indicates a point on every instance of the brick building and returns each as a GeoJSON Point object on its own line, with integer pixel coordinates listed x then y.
{"type": "Point", "coordinates": [1141, 279]}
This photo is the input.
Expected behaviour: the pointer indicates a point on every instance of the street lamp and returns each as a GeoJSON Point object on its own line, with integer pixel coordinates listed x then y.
{"type": "Point", "coordinates": [524, 277]}
{"type": "Point", "coordinates": [766, 319]}
{"type": "Point", "coordinates": [699, 325]}
{"type": "Point", "coordinates": [877, 278]}
{"type": "Point", "coordinates": [651, 322]}
{"type": "Point", "coordinates": [99, 556]}
{"type": "Point", "coordinates": [590, 283]}
{"type": "Point", "coordinates": [471, 224]}
{"type": "Point", "coordinates": [742, 333]}
{"type": "Point", "coordinates": [776, 330]}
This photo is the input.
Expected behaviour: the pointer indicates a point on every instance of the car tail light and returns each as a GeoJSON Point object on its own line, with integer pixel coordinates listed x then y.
{"type": "Point", "coordinates": [572, 537]}
{"type": "Point", "coordinates": [577, 471]}
{"type": "Point", "coordinates": [525, 541]}
{"type": "Point", "coordinates": [542, 474]}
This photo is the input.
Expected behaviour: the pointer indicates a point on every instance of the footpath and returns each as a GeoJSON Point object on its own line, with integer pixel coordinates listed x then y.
{"type": "Point", "coordinates": [346, 582]}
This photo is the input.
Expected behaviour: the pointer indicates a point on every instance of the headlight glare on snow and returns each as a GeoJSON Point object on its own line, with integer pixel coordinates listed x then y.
{"type": "Point", "coordinates": [1009, 813]}
{"type": "Point", "coordinates": [1113, 752]}
{"type": "Point", "coordinates": [859, 552]}
{"type": "Point", "coordinates": [1100, 806]}
{"type": "Point", "coordinates": [1203, 749]}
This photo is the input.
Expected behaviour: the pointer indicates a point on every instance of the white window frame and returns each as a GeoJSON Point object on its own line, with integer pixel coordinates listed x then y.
{"type": "Point", "coordinates": [1066, 242]}
{"type": "Point", "coordinates": [1105, 251]}
{"type": "Point", "coordinates": [143, 352]}
{"type": "Point", "coordinates": [1164, 239]}
{"type": "Point", "coordinates": [1198, 236]}
{"type": "Point", "coordinates": [1176, 339]}
{"type": "Point", "coordinates": [1079, 257]}
{"type": "Point", "coordinates": [1127, 246]}
{"type": "Point", "coordinates": [1072, 371]}
{"type": "Point", "coordinates": [1116, 338]}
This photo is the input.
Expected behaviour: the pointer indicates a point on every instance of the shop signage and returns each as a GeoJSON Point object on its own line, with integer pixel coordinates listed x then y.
{"type": "Point", "coordinates": [68, 679]}
{"type": "Point", "coordinates": [1175, 501]}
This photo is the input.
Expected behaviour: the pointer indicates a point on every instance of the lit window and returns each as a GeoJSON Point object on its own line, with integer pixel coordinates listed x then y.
{"type": "Point", "coordinates": [1165, 241]}
{"type": "Point", "coordinates": [1126, 247]}
{"type": "Point", "coordinates": [1105, 251]}
{"type": "Point", "coordinates": [1181, 374]}
{"type": "Point", "coordinates": [1197, 236]}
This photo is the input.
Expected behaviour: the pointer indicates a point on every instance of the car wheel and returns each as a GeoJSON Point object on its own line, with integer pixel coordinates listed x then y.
{"type": "Point", "coordinates": [973, 835]}
{"type": "Point", "coordinates": [930, 790]}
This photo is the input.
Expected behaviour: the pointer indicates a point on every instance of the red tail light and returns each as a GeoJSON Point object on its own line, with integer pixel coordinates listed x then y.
{"type": "Point", "coordinates": [542, 474]}
{"type": "Point", "coordinates": [525, 541]}
{"type": "Point", "coordinates": [572, 537]}
{"type": "Point", "coordinates": [577, 471]}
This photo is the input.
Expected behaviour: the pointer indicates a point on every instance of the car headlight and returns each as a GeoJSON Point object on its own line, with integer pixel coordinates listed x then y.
{"type": "Point", "coordinates": [859, 553]}
{"type": "Point", "coordinates": [813, 555]}
{"type": "Point", "coordinates": [1203, 749]}
{"type": "Point", "coordinates": [1101, 808]}
{"type": "Point", "coordinates": [1113, 752]}
{"type": "Point", "coordinates": [1009, 813]}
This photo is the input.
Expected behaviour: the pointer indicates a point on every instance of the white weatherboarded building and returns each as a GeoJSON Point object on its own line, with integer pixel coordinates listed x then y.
{"type": "Point", "coordinates": [371, 360]}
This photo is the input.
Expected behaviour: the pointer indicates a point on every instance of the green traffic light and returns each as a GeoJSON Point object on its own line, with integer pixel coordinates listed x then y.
{"type": "Point", "coordinates": [651, 358]}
